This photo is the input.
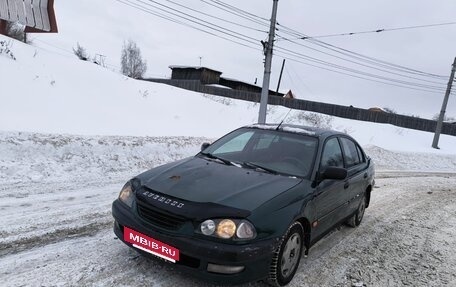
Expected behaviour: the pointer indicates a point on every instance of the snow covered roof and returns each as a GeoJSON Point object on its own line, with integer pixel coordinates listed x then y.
{"type": "Point", "coordinates": [234, 80]}
{"type": "Point", "coordinates": [172, 67]}
{"type": "Point", "coordinates": [219, 86]}
{"type": "Point", "coordinates": [289, 128]}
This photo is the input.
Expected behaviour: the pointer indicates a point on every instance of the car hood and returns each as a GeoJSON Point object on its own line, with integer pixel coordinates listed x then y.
{"type": "Point", "coordinates": [199, 180]}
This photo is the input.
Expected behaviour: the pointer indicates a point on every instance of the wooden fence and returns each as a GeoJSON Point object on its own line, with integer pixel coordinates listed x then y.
{"type": "Point", "coordinates": [317, 107]}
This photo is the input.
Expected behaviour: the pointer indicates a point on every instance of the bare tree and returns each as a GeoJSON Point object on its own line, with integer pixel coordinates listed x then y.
{"type": "Point", "coordinates": [132, 64]}
{"type": "Point", "coordinates": [5, 49]}
{"type": "Point", "coordinates": [313, 119]}
{"type": "Point", "coordinates": [80, 52]}
{"type": "Point", "coordinates": [389, 110]}
{"type": "Point", "coordinates": [446, 118]}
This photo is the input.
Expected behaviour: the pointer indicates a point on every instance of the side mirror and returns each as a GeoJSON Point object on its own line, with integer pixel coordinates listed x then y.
{"type": "Point", "coordinates": [331, 172]}
{"type": "Point", "coordinates": [204, 146]}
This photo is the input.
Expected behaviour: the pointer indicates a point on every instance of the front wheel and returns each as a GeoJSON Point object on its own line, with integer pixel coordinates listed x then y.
{"type": "Point", "coordinates": [356, 219]}
{"type": "Point", "coordinates": [285, 260]}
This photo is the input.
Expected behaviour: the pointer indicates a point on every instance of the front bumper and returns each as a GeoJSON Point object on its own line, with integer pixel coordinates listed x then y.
{"type": "Point", "coordinates": [197, 253]}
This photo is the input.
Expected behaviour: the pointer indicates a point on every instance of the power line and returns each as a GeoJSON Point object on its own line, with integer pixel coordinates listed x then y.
{"type": "Point", "coordinates": [301, 82]}
{"type": "Point", "coordinates": [173, 13]}
{"type": "Point", "coordinates": [371, 65]}
{"type": "Point", "coordinates": [381, 62]}
{"type": "Point", "coordinates": [343, 68]}
{"type": "Point", "coordinates": [234, 8]}
{"type": "Point", "coordinates": [194, 19]}
{"type": "Point", "coordinates": [360, 77]}
{"type": "Point", "coordinates": [215, 17]}
{"type": "Point", "coordinates": [348, 53]}
{"type": "Point", "coordinates": [198, 21]}
{"type": "Point", "coordinates": [177, 21]}
{"type": "Point", "coordinates": [69, 52]}
{"type": "Point", "coordinates": [379, 30]}
{"type": "Point", "coordinates": [54, 46]}
{"type": "Point", "coordinates": [254, 19]}
{"type": "Point", "coordinates": [356, 55]}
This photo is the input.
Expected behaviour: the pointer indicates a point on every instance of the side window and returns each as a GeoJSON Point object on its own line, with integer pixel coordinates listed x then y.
{"type": "Point", "coordinates": [350, 152]}
{"type": "Point", "coordinates": [362, 157]}
{"type": "Point", "coordinates": [332, 154]}
{"type": "Point", "coordinates": [235, 145]}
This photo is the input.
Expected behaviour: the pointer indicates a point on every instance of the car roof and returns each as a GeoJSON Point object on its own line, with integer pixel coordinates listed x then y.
{"type": "Point", "coordinates": [299, 129]}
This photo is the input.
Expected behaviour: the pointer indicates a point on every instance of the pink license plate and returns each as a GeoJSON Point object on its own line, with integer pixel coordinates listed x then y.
{"type": "Point", "coordinates": [150, 245]}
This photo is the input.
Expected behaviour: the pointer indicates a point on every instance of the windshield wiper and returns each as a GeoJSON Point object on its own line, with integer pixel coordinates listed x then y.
{"type": "Point", "coordinates": [257, 166]}
{"type": "Point", "coordinates": [209, 155]}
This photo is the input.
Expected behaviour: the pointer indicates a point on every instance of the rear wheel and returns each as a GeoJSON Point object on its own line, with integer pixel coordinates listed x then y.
{"type": "Point", "coordinates": [356, 219]}
{"type": "Point", "coordinates": [286, 258]}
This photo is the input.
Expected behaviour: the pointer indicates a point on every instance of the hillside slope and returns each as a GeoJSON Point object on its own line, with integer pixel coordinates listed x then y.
{"type": "Point", "coordinates": [48, 93]}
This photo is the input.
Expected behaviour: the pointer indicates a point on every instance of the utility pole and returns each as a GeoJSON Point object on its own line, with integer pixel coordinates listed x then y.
{"type": "Point", "coordinates": [280, 77]}
{"type": "Point", "coordinates": [267, 66]}
{"type": "Point", "coordinates": [435, 143]}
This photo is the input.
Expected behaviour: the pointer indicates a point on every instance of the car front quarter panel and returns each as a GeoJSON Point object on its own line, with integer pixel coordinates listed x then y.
{"type": "Point", "coordinates": [272, 219]}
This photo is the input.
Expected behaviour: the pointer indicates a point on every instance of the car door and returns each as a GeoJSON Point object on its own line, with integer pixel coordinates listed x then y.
{"type": "Point", "coordinates": [356, 165]}
{"type": "Point", "coordinates": [328, 195]}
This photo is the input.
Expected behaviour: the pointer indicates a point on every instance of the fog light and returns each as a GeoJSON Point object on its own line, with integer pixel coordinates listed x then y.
{"type": "Point", "coordinates": [224, 269]}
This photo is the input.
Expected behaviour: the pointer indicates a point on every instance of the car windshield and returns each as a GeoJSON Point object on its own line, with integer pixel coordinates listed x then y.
{"type": "Point", "coordinates": [265, 150]}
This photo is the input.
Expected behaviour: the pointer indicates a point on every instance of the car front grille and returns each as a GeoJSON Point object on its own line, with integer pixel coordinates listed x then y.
{"type": "Point", "coordinates": [159, 217]}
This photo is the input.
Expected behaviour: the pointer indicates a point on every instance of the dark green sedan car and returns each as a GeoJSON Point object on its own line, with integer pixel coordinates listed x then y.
{"type": "Point", "coordinates": [248, 205]}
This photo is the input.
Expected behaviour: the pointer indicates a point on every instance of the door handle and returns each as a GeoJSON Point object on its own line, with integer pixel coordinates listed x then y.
{"type": "Point", "coordinates": [346, 185]}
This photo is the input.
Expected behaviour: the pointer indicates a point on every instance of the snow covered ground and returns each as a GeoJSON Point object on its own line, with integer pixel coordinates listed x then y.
{"type": "Point", "coordinates": [406, 239]}
{"type": "Point", "coordinates": [72, 133]}
{"type": "Point", "coordinates": [56, 226]}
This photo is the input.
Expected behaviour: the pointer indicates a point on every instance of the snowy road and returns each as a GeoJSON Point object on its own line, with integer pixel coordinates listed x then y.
{"type": "Point", "coordinates": [60, 234]}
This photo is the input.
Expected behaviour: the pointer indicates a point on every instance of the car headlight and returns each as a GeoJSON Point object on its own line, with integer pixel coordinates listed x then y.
{"type": "Point", "coordinates": [208, 227]}
{"type": "Point", "coordinates": [245, 230]}
{"type": "Point", "coordinates": [126, 194]}
{"type": "Point", "coordinates": [228, 228]}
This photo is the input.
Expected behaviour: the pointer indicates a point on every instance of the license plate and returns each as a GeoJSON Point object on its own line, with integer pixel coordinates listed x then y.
{"type": "Point", "coordinates": [150, 245]}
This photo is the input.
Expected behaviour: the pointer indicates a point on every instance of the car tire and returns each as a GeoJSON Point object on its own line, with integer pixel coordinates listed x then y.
{"type": "Point", "coordinates": [356, 219]}
{"type": "Point", "coordinates": [286, 258]}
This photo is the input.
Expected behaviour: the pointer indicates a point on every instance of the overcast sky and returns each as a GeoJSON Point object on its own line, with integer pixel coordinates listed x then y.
{"type": "Point", "coordinates": [102, 26]}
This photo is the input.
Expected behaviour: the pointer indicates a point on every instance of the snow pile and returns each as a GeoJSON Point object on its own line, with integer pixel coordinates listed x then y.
{"type": "Point", "coordinates": [45, 157]}
{"type": "Point", "coordinates": [408, 161]}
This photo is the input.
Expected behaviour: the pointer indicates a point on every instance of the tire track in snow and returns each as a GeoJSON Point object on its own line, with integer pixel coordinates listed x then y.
{"type": "Point", "coordinates": [58, 235]}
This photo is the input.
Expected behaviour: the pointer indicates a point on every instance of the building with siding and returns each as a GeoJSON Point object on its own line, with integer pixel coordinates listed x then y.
{"type": "Point", "coordinates": [209, 76]}
{"type": "Point", "coordinates": [204, 75]}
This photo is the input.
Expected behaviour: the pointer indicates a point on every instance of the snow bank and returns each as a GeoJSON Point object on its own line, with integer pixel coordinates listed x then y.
{"type": "Point", "coordinates": [46, 157]}
{"type": "Point", "coordinates": [409, 161]}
